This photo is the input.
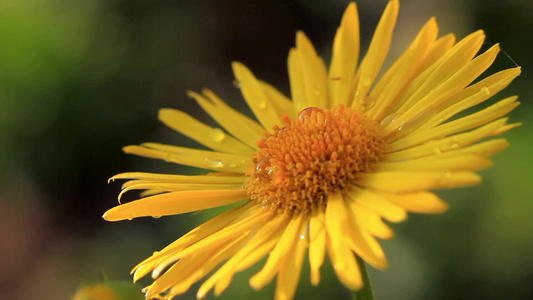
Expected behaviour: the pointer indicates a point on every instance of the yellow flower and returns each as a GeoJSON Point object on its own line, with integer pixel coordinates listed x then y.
{"type": "Point", "coordinates": [318, 173]}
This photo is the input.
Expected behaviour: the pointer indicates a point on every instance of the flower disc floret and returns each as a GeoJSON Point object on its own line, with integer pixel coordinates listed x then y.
{"type": "Point", "coordinates": [319, 152]}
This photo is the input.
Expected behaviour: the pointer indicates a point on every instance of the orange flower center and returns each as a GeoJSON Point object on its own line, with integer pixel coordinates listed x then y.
{"type": "Point", "coordinates": [319, 152]}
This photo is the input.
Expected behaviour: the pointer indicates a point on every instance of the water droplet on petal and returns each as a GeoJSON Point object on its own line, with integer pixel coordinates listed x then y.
{"type": "Point", "coordinates": [260, 103]}
{"type": "Point", "coordinates": [213, 163]}
{"type": "Point", "coordinates": [422, 117]}
{"type": "Point", "coordinates": [302, 237]}
{"type": "Point", "coordinates": [237, 84]}
{"type": "Point", "coordinates": [388, 120]}
{"type": "Point", "coordinates": [217, 135]}
{"type": "Point", "coordinates": [306, 113]}
{"type": "Point", "coordinates": [503, 82]}
{"type": "Point", "coordinates": [264, 167]}
{"type": "Point", "coordinates": [369, 102]}
{"type": "Point", "coordinates": [485, 91]}
{"type": "Point", "coordinates": [454, 145]}
{"type": "Point", "coordinates": [156, 217]}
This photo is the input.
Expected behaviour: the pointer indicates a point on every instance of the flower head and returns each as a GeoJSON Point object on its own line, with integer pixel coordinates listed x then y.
{"type": "Point", "coordinates": [318, 173]}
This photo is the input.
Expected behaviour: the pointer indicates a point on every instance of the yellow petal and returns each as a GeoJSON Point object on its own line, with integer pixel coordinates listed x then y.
{"type": "Point", "coordinates": [244, 225]}
{"type": "Point", "coordinates": [471, 121]}
{"type": "Point", "coordinates": [313, 72]}
{"type": "Point", "coordinates": [290, 269]}
{"type": "Point", "coordinates": [360, 241]}
{"type": "Point", "coordinates": [171, 178]}
{"type": "Point", "coordinates": [198, 233]}
{"type": "Point", "coordinates": [175, 187]}
{"type": "Point", "coordinates": [370, 221]}
{"type": "Point", "coordinates": [452, 143]}
{"type": "Point", "coordinates": [375, 203]}
{"type": "Point", "coordinates": [342, 258]}
{"type": "Point", "coordinates": [438, 49]}
{"type": "Point", "coordinates": [187, 270]}
{"type": "Point", "coordinates": [278, 254]}
{"type": "Point", "coordinates": [239, 125]}
{"type": "Point", "coordinates": [255, 96]}
{"type": "Point", "coordinates": [317, 244]}
{"type": "Point", "coordinates": [420, 202]}
{"type": "Point", "coordinates": [191, 157]}
{"type": "Point", "coordinates": [408, 182]}
{"type": "Point", "coordinates": [255, 249]}
{"type": "Point", "coordinates": [473, 95]}
{"type": "Point", "coordinates": [174, 203]}
{"type": "Point", "coordinates": [483, 149]}
{"type": "Point", "coordinates": [438, 164]}
{"type": "Point", "coordinates": [346, 267]}
{"type": "Point", "coordinates": [335, 212]}
{"type": "Point", "coordinates": [440, 71]}
{"type": "Point", "coordinates": [263, 248]}
{"type": "Point", "coordinates": [402, 72]}
{"type": "Point", "coordinates": [344, 57]}
{"type": "Point", "coordinates": [377, 51]}
{"type": "Point", "coordinates": [442, 92]}
{"type": "Point", "coordinates": [366, 246]}
{"type": "Point", "coordinates": [298, 92]}
{"type": "Point", "coordinates": [211, 137]}
{"type": "Point", "coordinates": [281, 103]}
{"type": "Point", "coordinates": [206, 263]}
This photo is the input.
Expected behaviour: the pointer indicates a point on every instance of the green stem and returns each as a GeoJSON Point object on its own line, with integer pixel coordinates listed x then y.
{"type": "Point", "coordinates": [365, 293]}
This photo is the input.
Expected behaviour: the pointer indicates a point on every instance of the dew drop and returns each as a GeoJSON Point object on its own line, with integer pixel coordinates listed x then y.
{"type": "Point", "coordinates": [308, 112]}
{"type": "Point", "coordinates": [370, 102]}
{"type": "Point", "coordinates": [237, 84]}
{"type": "Point", "coordinates": [503, 82]}
{"type": "Point", "coordinates": [422, 117]}
{"type": "Point", "coordinates": [155, 274]}
{"type": "Point", "coordinates": [437, 150]}
{"type": "Point", "coordinates": [388, 120]}
{"type": "Point", "coordinates": [485, 91]}
{"type": "Point", "coordinates": [454, 145]}
{"type": "Point", "coordinates": [302, 237]}
{"type": "Point", "coordinates": [217, 135]}
{"type": "Point", "coordinates": [264, 167]}
{"type": "Point", "coordinates": [156, 217]}
{"type": "Point", "coordinates": [214, 163]}
{"type": "Point", "coordinates": [260, 103]}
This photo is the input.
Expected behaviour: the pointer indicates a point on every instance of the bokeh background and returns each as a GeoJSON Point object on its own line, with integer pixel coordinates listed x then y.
{"type": "Point", "coordinates": [81, 79]}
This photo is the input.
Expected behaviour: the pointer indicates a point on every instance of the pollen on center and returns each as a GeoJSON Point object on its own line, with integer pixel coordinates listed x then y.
{"type": "Point", "coordinates": [319, 152]}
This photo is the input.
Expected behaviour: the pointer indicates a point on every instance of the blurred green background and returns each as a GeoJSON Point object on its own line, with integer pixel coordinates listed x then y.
{"type": "Point", "coordinates": [81, 79]}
